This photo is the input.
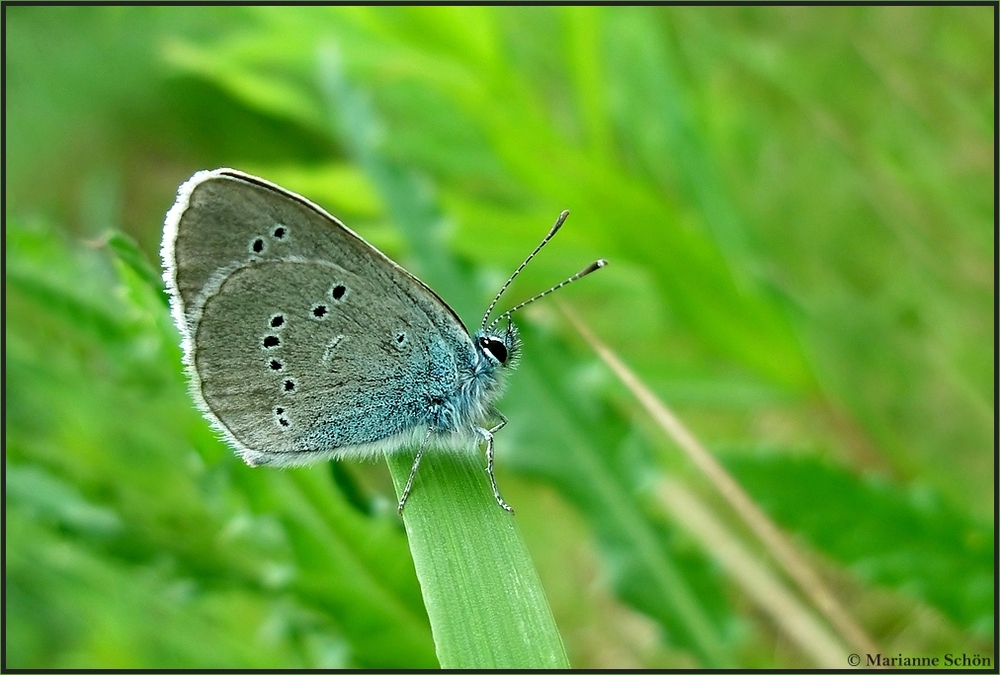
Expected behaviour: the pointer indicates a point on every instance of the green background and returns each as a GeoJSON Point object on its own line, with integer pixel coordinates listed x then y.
{"type": "Point", "coordinates": [797, 204]}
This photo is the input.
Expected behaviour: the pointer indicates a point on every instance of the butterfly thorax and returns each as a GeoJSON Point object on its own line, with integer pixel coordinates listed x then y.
{"type": "Point", "coordinates": [470, 406]}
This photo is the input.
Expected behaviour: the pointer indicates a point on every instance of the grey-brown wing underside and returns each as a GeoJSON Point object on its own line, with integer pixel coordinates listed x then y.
{"type": "Point", "coordinates": [301, 338]}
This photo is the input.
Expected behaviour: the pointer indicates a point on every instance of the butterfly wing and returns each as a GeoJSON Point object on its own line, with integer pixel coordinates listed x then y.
{"type": "Point", "coordinates": [302, 340]}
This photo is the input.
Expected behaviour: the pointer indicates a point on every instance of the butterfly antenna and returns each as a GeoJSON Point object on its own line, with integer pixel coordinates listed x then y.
{"type": "Point", "coordinates": [592, 267]}
{"type": "Point", "coordinates": [555, 228]}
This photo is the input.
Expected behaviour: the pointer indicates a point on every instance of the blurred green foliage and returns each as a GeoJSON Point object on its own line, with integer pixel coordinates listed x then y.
{"type": "Point", "coordinates": [798, 207]}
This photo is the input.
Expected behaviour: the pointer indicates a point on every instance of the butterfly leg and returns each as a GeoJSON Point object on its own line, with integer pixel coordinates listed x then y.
{"type": "Point", "coordinates": [488, 435]}
{"type": "Point", "coordinates": [413, 471]}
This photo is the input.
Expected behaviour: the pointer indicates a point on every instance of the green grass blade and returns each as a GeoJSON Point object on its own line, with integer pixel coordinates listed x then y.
{"type": "Point", "coordinates": [483, 596]}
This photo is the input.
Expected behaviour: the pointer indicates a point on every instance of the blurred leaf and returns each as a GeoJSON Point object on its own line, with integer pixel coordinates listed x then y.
{"type": "Point", "coordinates": [276, 95]}
{"type": "Point", "coordinates": [49, 497]}
{"type": "Point", "coordinates": [905, 539]}
{"type": "Point", "coordinates": [126, 250]}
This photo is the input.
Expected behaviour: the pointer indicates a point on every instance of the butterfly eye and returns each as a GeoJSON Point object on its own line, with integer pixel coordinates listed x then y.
{"type": "Point", "coordinates": [495, 347]}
